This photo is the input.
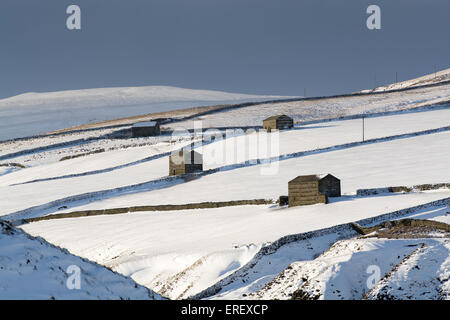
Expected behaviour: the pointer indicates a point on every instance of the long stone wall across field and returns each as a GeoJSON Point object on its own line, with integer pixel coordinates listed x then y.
{"type": "Point", "coordinates": [168, 207]}
{"type": "Point", "coordinates": [12, 164]}
{"type": "Point", "coordinates": [419, 187]}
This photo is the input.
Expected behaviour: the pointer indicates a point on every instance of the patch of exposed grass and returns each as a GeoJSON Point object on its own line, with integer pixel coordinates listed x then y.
{"type": "Point", "coordinates": [81, 154]}
{"type": "Point", "coordinates": [405, 229]}
{"type": "Point", "coordinates": [12, 164]}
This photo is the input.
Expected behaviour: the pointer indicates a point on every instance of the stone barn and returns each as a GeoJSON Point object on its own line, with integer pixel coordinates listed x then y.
{"type": "Point", "coordinates": [278, 122]}
{"type": "Point", "coordinates": [185, 161]}
{"type": "Point", "coordinates": [145, 129]}
{"type": "Point", "coordinates": [311, 189]}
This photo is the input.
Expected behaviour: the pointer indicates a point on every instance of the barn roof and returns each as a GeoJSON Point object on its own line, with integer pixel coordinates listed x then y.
{"type": "Point", "coordinates": [185, 153]}
{"type": "Point", "coordinates": [311, 177]}
{"type": "Point", "coordinates": [277, 117]}
{"type": "Point", "coordinates": [145, 124]}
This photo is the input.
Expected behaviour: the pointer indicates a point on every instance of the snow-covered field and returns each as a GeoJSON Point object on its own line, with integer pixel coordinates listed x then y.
{"type": "Point", "coordinates": [326, 108]}
{"type": "Point", "coordinates": [416, 160]}
{"type": "Point", "coordinates": [318, 136]}
{"type": "Point", "coordinates": [238, 252]}
{"type": "Point", "coordinates": [50, 149]}
{"type": "Point", "coordinates": [166, 251]}
{"type": "Point", "coordinates": [123, 168]}
{"type": "Point", "coordinates": [159, 247]}
{"type": "Point", "coordinates": [407, 267]}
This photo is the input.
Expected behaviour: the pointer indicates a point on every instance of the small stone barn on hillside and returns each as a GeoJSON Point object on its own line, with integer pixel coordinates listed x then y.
{"type": "Point", "coordinates": [311, 189]}
{"type": "Point", "coordinates": [185, 161]}
{"type": "Point", "coordinates": [145, 129]}
{"type": "Point", "coordinates": [278, 122]}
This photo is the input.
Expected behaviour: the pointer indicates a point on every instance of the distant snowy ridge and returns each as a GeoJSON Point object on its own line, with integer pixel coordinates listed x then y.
{"type": "Point", "coordinates": [34, 113]}
{"type": "Point", "coordinates": [122, 96]}
{"type": "Point", "coordinates": [429, 79]}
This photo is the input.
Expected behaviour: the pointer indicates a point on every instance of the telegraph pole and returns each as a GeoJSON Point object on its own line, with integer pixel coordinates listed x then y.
{"type": "Point", "coordinates": [363, 124]}
{"type": "Point", "coordinates": [363, 127]}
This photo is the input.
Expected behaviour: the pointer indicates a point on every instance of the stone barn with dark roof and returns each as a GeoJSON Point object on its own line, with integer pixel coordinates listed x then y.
{"type": "Point", "coordinates": [145, 129]}
{"type": "Point", "coordinates": [312, 189]}
{"type": "Point", "coordinates": [185, 161]}
{"type": "Point", "coordinates": [278, 122]}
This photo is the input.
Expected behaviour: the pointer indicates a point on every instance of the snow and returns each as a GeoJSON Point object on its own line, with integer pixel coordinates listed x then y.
{"type": "Point", "coordinates": [33, 113]}
{"type": "Point", "coordinates": [145, 124]}
{"type": "Point", "coordinates": [38, 151]}
{"type": "Point", "coordinates": [316, 109]}
{"type": "Point", "coordinates": [23, 196]}
{"type": "Point", "coordinates": [122, 168]}
{"type": "Point", "coordinates": [96, 162]}
{"type": "Point", "coordinates": [246, 282]}
{"type": "Point", "coordinates": [160, 240]}
{"type": "Point", "coordinates": [37, 144]}
{"type": "Point", "coordinates": [424, 275]}
{"type": "Point", "coordinates": [304, 137]}
{"type": "Point", "coordinates": [33, 269]}
{"type": "Point", "coordinates": [6, 170]}
{"type": "Point", "coordinates": [270, 276]}
{"type": "Point", "coordinates": [167, 252]}
{"type": "Point", "coordinates": [429, 79]}
{"type": "Point", "coordinates": [315, 136]}
{"type": "Point", "coordinates": [344, 270]}
{"type": "Point", "coordinates": [242, 251]}
{"type": "Point", "coordinates": [411, 161]}
{"type": "Point", "coordinates": [302, 110]}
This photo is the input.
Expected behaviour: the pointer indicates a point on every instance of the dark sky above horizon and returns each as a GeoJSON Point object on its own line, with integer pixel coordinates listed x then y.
{"type": "Point", "coordinates": [246, 46]}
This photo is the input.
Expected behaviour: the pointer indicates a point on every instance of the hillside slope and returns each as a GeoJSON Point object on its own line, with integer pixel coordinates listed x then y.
{"type": "Point", "coordinates": [429, 79]}
{"type": "Point", "coordinates": [33, 113]}
{"type": "Point", "coordinates": [33, 269]}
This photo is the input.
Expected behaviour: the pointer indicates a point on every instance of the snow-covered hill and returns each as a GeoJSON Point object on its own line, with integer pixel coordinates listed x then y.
{"type": "Point", "coordinates": [319, 109]}
{"type": "Point", "coordinates": [401, 262]}
{"type": "Point", "coordinates": [33, 113]}
{"type": "Point", "coordinates": [132, 166]}
{"type": "Point", "coordinates": [167, 252]}
{"type": "Point", "coordinates": [429, 79]}
{"type": "Point", "coordinates": [31, 268]}
{"type": "Point", "coordinates": [239, 251]}
{"type": "Point", "coordinates": [414, 269]}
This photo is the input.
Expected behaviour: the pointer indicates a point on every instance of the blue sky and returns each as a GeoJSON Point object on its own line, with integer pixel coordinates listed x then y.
{"type": "Point", "coordinates": [246, 46]}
